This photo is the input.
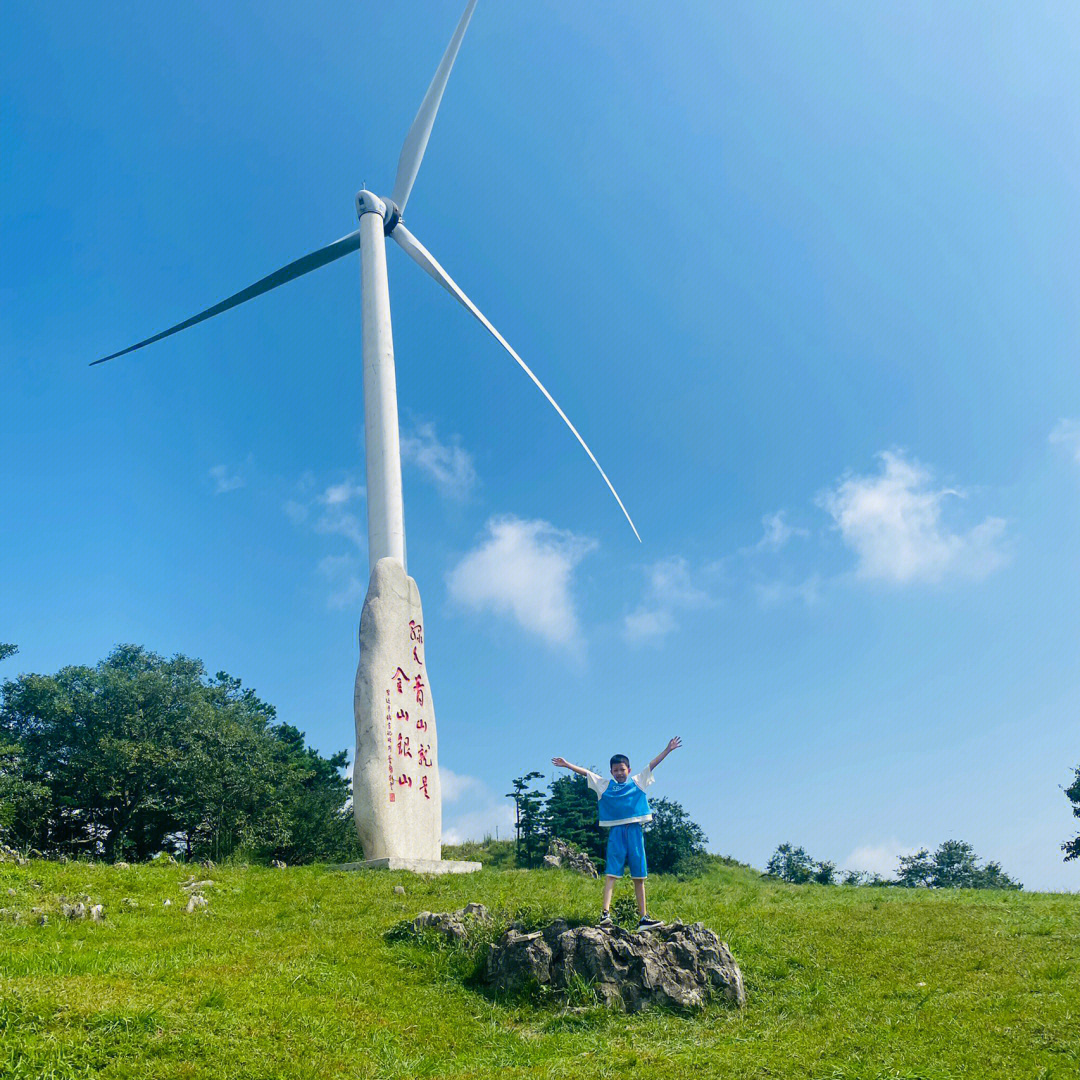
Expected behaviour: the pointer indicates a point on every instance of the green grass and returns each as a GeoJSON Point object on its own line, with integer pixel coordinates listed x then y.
{"type": "Point", "coordinates": [288, 974]}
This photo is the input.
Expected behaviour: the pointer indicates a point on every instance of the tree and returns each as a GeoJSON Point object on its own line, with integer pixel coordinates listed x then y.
{"type": "Point", "coordinates": [7, 650]}
{"type": "Point", "coordinates": [142, 753]}
{"type": "Point", "coordinates": [953, 866]}
{"type": "Point", "coordinates": [571, 815]}
{"type": "Point", "coordinates": [672, 838]}
{"type": "Point", "coordinates": [791, 864]}
{"type": "Point", "coordinates": [529, 820]}
{"type": "Point", "coordinates": [1072, 793]}
{"type": "Point", "coordinates": [916, 871]}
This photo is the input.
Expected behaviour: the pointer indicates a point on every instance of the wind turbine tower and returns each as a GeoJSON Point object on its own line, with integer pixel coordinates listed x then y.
{"type": "Point", "coordinates": [396, 792]}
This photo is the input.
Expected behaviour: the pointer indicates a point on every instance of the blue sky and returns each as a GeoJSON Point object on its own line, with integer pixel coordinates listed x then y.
{"type": "Point", "coordinates": [803, 276]}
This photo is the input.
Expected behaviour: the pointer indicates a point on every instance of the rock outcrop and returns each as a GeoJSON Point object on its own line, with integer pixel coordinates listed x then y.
{"type": "Point", "coordinates": [453, 925]}
{"type": "Point", "coordinates": [559, 853]}
{"type": "Point", "coordinates": [677, 966]}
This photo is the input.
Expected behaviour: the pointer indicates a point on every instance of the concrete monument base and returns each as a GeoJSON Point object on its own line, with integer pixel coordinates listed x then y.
{"type": "Point", "coordinates": [417, 866]}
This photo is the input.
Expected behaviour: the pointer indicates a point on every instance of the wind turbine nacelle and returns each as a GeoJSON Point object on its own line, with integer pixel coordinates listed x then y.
{"type": "Point", "coordinates": [367, 202]}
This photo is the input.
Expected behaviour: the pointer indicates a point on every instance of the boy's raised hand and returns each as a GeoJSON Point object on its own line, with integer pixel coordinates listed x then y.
{"type": "Point", "coordinates": [561, 762]}
{"type": "Point", "coordinates": [674, 744]}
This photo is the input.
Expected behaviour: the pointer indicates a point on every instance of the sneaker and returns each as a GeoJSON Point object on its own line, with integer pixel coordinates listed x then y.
{"type": "Point", "coordinates": [647, 922]}
{"type": "Point", "coordinates": [605, 922]}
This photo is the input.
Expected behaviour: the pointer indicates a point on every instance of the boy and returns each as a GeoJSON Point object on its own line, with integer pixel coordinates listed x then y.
{"type": "Point", "coordinates": [624, 808]}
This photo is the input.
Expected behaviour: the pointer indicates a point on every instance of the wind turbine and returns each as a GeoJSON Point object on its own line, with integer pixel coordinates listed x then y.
{"type": "Point", "coordinates": [380, 218]}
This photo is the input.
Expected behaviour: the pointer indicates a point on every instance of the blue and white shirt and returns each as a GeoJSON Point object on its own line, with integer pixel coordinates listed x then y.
{"type": "Point", "coordinates": [625, 803]}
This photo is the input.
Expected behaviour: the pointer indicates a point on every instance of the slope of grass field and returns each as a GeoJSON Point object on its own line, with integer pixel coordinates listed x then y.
{"type": "Point", "coordinates": [287, 974]}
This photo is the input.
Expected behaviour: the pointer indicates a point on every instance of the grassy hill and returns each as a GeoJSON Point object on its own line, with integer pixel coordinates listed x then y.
{"type": "Point", "coordinates": [287, 974]}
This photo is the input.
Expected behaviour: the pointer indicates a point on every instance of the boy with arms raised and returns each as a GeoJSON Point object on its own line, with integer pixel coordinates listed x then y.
{"type": "Point", "coordinates": [624, 809]}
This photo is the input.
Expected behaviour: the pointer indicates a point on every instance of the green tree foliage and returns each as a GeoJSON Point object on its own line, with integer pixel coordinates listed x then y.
{"type": "Point", "coordinates": [7, 650]}
{"type": "Point", "coordinates": [570, 815]}
{"type": "Point", "coordinates": [675, 844]}
{"type": "Point", "coordinates": [953, 866]}
{"type": "Point", "coordinates": [530, 820]}
{"type": "Point", "coordinates": [792, 864]}
{"type": "Point", "coordinates": [1072, 793]}
{"type": "Point", "coordinates": [140, 754]}
{"type": "Point", "coordinates": [672, 840]}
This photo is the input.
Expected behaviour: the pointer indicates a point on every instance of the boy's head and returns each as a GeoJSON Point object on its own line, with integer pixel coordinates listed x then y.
{"type": "Point", "coordinates": [620, 768]}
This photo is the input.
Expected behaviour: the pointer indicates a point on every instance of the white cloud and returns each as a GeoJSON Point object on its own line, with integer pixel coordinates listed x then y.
{"type": "Point", "coordinates": [878, 858]}
{"type": "Point", "coordinates": [347, 585]}
{"type": "Point", "coordinates": [224, 480]}
{"type": "Point", "coordinates": [893, 522]}
{"type": "Point", "coordinates": [777, 532]}
{"type": "Point", "coordinates": [329, 510]}
{"type": "Point", "coordinates": [670, 588]}
{"type": "Point", "coordinates": [774, 593]}
{"type": "Point", "coordinates": [455, 785]}
{"type": "Point", "coordinates": [296, 512]}
{"type": "Point", "coordinates": [642, 626]}
{"type": "Point", "coordinates": [450, 468]}
{"type": "Point", "coordinates": [524, 569]}
{"type": "Point", "coordinates": [342, 523]}
{"type": "Point", "coordinates": [340, 494]}
{"type": "Point", "coordinates": [477, 811]}
{"type": "Point", "coordinates": [1067, 433]}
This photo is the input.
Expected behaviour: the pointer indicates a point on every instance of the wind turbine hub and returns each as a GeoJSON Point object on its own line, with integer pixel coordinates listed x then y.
{"type": "Point", "coordinates": [367, 202]}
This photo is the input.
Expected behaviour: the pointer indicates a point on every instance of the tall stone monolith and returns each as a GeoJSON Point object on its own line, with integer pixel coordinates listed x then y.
{"type": "Point", "coordinates": [397, 798]}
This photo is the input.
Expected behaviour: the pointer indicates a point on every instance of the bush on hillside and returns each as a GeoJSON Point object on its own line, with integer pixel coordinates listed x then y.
{"type": "Point", "coordinates": [1072, 793]}
{"type": "Point", "coordinates": [141, 754]}
{"type": "Point", "coordinates": [674, 843]}
{"type": "Point", "coordinates": [792, 864]}
{"type": "Point", "coordinates": [953, 866]}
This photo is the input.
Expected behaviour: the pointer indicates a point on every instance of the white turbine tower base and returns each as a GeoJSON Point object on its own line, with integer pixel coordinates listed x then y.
{"type": "Point", "coordinates": [396, 791]}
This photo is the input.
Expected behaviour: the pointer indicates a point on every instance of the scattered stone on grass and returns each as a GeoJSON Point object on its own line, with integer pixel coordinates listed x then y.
{"type": "Point", "coordinates": [195, 886]}
{"type": "Point", "coordinates": [277, 864]}
{"type": "Point", "coordinates": [166, 902]}
{"type": "Point", "coordinates": [73, 911]}
{"type": "Point", "coordinates": [121, 865]}
{"type": "Point", "coordinates": [129, 901]}
{"type": "Point", "coordinates": [97, 913]}
{"type": "Point", "coordinates": [453, 925]}
{"type": "Point", "coordinates": [195, 902]}
{"type": "Point", "coordinates": [560, 853]}
{"type": "Point", "coordinates": [11, 892]}
{"type": "Point", "coordinates": [677, 966]}
{"type": "Point", "coordinates": [9, 854]}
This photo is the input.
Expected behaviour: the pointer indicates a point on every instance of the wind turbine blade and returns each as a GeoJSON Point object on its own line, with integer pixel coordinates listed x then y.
{"type": "Point", "coordinates": [295, 269]}
{"type": "Point", "coordinates": [412, 153]}
{"type": "Point", "coordinates": [428, 262]}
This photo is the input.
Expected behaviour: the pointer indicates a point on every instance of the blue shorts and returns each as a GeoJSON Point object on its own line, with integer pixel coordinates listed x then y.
{"type": "Point", "coordinates": [626, 844]}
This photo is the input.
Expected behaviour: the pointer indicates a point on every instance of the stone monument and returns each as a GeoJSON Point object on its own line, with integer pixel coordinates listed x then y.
{"type": "Point", "coordinates": [397, 797]}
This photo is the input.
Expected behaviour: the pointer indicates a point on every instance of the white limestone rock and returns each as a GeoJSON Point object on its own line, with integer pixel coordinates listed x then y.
{"type": "Point", "coordinates": [397, 798]}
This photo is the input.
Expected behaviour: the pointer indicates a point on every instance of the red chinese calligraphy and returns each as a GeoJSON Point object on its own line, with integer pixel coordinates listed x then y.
{"type": "Point", "coordinates": [403, 715]}
{"type": "Point", "coordinates": [421, 724]}
{"type": "Point", "coordinates": [422, 752]}
{"type": "Point", "coordinates": [417, 658]}
{"type": "Point", "coordinates": [403, 746]}
{"type": "Point", "coordinates": [418, 686]}
{"type": "Point", "coordinates": [423, 788]}
{"type": "Point", "coordinates": [397, 677]}
{"type": "Point", "coordinates": [416, 632]}
{"type": "Point", "coordinates": [404, 780]}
